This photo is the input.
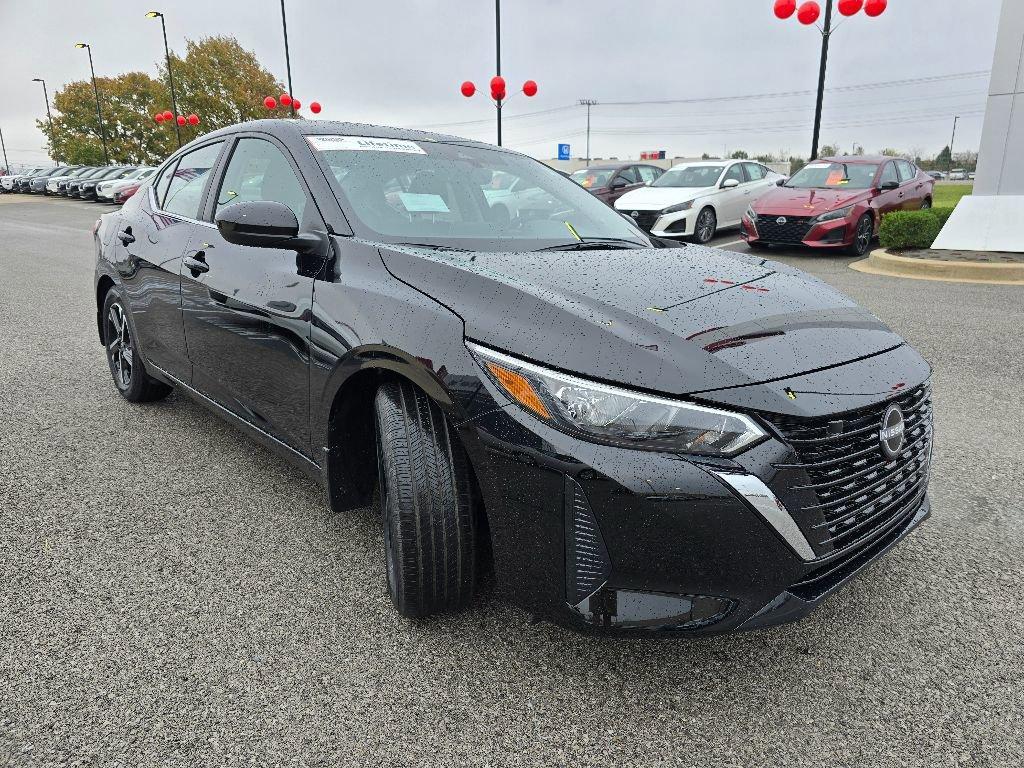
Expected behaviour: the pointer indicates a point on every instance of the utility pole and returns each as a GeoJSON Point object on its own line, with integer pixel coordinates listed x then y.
{"type": "Point", "coordinates": [588, 103]}
{"type": "Point", "coordinates": [49, 118]}
{"type": "Point", "coordinates": [826, 35]}
{"type": "Point", "coordinates": [7, 167]}
{"type": "Point", "coordinates": [949, 169]}
{"type": "Point", "coordinates": [287, 58]}
{"type": "Point", "coordinates": [497, 48]}
{"type": "Point", "coordinates": [99, 112]}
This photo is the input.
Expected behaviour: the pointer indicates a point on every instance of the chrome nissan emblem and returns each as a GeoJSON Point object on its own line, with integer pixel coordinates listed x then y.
{"type": "Point", "coordinates": [891, 435]}
{"type": "Point", "coordinates": [635, 214]}
{"type": "Point", "coordinates": [781, 221]}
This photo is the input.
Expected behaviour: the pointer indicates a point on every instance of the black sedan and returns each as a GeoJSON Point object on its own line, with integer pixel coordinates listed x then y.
{"type": "Point", "coordinates": [86, 188]}
{"type": "Point", "coordinates": [632, 437]}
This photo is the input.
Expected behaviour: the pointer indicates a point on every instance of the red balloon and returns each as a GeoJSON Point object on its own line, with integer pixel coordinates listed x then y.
{"type": "Point", "coordinates": [809, 12]}
{"type": "Point", "coordinates": [270, 102]}
{"type": "Point", "coordinates": [785, 8]}
{"type": "Point", "coordinates": [296, 104]}
{"type": "Point", "coordinates": [468, 89]}
{"type": "Point", "coordinates": [314, 107]}
{"type": "Point", "coordinates": [159, 117]}
{"type": "Point", "coordinates": [850, 7]}
{"type": "Point", "coordinates": [497, 83]}
{"type": "Point", "coordinates": [168, 115]}
{"type": "Point", "coordinates": [876, 7]}
{"type": "Point", "coordinates": [285, 100]}
{"type": "Point", "coordinates": [530, 88]}
{"type": "Point", "coordinates": [193, 119]}
{"type": "Point", "coordinates": [181, 120]}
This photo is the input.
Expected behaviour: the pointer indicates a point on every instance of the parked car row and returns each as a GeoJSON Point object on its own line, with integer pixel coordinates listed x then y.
{"type": "Point", "coordinates": [833, 203]}
{"type": "Point", "coordinates": [105, 183]}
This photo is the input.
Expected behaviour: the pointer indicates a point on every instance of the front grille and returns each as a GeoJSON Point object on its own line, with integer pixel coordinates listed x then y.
{"type": "Point", "coordinates": [849, 487]}
{"type": "Point", "coordinates": [646, 219]}
{"type": "Point", "coordinates": [794, 230]}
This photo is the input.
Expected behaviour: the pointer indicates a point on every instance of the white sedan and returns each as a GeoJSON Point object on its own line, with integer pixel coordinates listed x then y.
{"type": "Point", "coordinates": [695, 200]}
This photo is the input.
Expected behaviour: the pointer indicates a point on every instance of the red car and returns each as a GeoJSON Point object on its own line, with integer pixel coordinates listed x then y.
{"type": "Point", "coordinates": [610, 182]}
{"type": "Point", "coordinates": [836, 203]}
{"type": "Point", "coordinates": [122, 195]}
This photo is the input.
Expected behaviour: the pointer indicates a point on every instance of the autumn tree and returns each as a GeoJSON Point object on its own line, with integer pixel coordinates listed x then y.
{"type": "Point", "coordinates": [217, 79]}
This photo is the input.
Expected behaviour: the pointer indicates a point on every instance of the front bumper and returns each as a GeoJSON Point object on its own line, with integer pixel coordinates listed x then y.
{"type": "Point", "coordinates": [607, 539]}
{"type": "Point", "coordinates": [830, 234]}
{"type": "Point", "coordinates": [667, 225]}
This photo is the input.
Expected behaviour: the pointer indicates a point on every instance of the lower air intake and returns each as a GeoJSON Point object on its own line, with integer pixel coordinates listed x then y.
{"type": "Point", "coordinates": [587, 565]}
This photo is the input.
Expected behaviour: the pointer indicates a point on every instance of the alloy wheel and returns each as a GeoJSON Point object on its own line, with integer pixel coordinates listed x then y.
{"type": "Point", "coordinates": [705, 227]}
{"type": "Point", "coordinates": [865, 231]}
{"type": "Point", "coordinates": [120, 348]}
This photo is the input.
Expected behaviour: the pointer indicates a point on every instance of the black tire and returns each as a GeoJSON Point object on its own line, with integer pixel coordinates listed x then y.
{"type": "Point", "coordinates": [926, 204]}
{"type": "Point", "coordinates": [863, 235]}
{"type": "Point", "coordinates": [123, 358]}
{"type": "Point", "coordinates": [427, 502]}
{"type": "Point", "coordinates": [705, 226]}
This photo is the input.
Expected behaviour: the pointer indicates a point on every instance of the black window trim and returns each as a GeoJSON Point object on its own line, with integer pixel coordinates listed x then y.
{"type": "Point", "coordinates": [173, 163]}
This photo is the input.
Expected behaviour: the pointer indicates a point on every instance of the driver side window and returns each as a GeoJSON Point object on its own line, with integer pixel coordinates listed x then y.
{"type": "Point", "coordinates": [259, 171]}
{"type": "Point", "coordinates": [735, 172]}
{"type": "Point", "coordinates": [889, 174]}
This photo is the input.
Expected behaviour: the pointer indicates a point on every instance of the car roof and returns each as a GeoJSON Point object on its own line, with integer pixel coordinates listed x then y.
{"type": "Point", "coordinates": [861, 159]}
{"type": "Point", "coordinates": [281, 127]}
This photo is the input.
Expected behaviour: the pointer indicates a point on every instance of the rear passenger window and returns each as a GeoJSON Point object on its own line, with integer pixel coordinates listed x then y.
{"type": "Point", "coordinates": [186, 184]}
{"type": "Point", "coordinates": [649, 173]}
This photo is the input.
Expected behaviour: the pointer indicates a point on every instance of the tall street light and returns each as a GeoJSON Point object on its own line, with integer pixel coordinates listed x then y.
{"type": "Point", "coordinates": [287, 57]}
{"type": "Point", "coordinates": [588, 103]}
{"type": "Point", "coordinates": [949, 165]}
{"type": "Point", "coordinates": [49, 117]}
{"type": "Point", "coordinates": [170, 74]}
{"type": "Point", "coordinates": [7, 167]}
{"type": "Point", "coordinates": [99, 111]}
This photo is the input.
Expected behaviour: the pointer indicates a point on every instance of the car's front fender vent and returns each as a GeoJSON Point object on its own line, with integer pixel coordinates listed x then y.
{"type": "Point", "coordinates": [587, 565]}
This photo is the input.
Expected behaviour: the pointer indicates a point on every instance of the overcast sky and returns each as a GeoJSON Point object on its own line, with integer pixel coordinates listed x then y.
{"type": "Point", "coordinates": [400, 62]}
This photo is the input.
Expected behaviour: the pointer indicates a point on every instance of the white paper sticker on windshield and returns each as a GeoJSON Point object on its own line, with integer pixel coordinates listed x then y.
{"type": "Point", "coordinates": [363, 144]}
{"type": "Point", "coordinates": [423, 203]}
{"type": "Point", "coordinates": [820, 165]}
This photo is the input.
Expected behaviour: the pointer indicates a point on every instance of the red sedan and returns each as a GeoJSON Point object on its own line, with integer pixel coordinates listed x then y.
{"type": "Point", "coordinates": [837, 203]}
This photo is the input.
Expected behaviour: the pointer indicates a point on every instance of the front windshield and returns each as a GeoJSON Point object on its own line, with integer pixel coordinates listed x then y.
{"type": "Point", "coordinates": [468, 197]}
{"type": "Point", "coordinates": [690, 176]}
{"type": "Point", "coordinates": [834, 176]}
{"type": "Point", "coordinates": [589, 178]}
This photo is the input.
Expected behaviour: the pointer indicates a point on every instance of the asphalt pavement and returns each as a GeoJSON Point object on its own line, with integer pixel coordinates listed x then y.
{"type": "Point", "coordinates": [172, 594]}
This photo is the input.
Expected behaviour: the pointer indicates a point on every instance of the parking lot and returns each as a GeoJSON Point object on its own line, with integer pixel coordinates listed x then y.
{"type": "Point", "coordinates": [176, 595]}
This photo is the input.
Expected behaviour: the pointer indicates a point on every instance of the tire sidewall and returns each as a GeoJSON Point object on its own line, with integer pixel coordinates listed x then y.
{"type": "Point", "coordinates": [714, 226]}
{"type": "Point", "coordinates": [136, 387]}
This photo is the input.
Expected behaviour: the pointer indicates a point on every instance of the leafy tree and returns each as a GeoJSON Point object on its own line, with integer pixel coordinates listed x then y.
{"type": "Point", "coordinates": [890, 152]}
{"type": "Point", "coordinates": [217, 79]}
{"type": "Point", "coordinates": [739, 154]}
{"type": "Point", "coordinates": [943, 159]}
{"type": "Point", "coordinates": [829, 150]}
{"type": "Point", "coordinates": [795, 164]}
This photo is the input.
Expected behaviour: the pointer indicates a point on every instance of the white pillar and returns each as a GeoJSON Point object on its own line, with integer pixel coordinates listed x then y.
{"type": "Point", "coordinates": [989, 220]}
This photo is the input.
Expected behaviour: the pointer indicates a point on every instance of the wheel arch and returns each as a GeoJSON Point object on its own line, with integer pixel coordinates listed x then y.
{"type": "Point", "coordinates": [103, 286]}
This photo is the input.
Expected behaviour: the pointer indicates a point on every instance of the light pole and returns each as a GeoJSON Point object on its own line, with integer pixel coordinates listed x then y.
{"type": "Point", "coordinates": [588, 103]}
{"type": "Point", "coordinates": [99, 111]}
{"type": "Point", "coordinates": [826, 36]}
{"type": "Point", "coordinates": [497, 48]}
{"type": "Point", "coordinates": [287, 57]}
{"type": "Point", "coordinates": [49, 117]}
{"type": "Point", "coordinates": [949, 165]}
{"type": "Point", "coordinates": [7, 167]}
{"type": "Point", "coordinates": [170, 74]}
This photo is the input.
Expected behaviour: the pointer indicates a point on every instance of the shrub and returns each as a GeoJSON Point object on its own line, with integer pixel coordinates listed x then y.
{"type": "Point", "coordinates": [943, 214]}
{"type": "Point", "coordinates": [901, 230]}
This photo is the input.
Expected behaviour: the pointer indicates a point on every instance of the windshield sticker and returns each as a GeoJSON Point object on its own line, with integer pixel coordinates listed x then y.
{"type": "Point", "coordinates": [363, 144]}
{"type": "Point", "coordinates": [835, 178]}
{"type": "Point", "coordinates": [423, 203]}
{"type": "Point", "coordinates": [819, 166]}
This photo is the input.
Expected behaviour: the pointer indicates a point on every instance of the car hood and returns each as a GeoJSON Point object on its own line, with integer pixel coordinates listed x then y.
{"type": "Point", "coordinates": [680, 321]}
{"type": "Point", "coordinates": [656, 198]}
{"type": "Point", "coordinates": [806, 202]}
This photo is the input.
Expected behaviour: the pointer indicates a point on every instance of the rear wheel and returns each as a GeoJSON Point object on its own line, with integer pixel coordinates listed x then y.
{"type": "Point", "coordinates": [705, 226]}
{"type": "Point", "coordinates": [427, 502]}
{"type": "Point", "coordinates": [126, 366]}
{"type": "Point", "coordinates": [863, 236]}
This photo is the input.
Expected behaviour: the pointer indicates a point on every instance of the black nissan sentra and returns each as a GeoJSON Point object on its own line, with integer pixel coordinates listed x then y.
{"type": "Point", "coordinates": [631, 437]}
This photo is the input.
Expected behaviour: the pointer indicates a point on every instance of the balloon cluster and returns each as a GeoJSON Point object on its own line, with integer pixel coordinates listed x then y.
{"type": "Point", "coordinates": [810, 12]}
{"type": "Point", "coordinates": [287, 100]}
{"type": "Point", "coordinates": [168, 117]}
{"type": "Point", "coordinates": [498, 86]}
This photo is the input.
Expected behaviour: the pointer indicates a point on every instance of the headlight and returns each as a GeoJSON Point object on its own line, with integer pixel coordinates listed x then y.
{"type": "Point", "coordinates": [839, 213]}
{"type": "Point", "coordinates": [681, 207]}
{"type": "Point", "coordinates": [608, 414]}
{"type": "Point", "coordinates": [751, 214]}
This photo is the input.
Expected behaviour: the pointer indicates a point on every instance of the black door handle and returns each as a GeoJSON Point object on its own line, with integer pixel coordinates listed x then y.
{"type": "Point", "coordinates": [196, 264]}
{"type": "Point", "coordinates": [125, 236]}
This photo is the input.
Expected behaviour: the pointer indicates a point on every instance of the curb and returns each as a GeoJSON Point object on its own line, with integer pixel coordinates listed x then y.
{"type": "Point", "coordinates": [880, 262]}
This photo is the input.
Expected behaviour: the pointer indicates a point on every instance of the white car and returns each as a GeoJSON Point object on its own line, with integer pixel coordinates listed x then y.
{"type": "Point", "coordinates": [695, 200]}
{"type": "Point", "coordinates": [7, 182]}
{"type": "Point", "coordinates": [106, 190]}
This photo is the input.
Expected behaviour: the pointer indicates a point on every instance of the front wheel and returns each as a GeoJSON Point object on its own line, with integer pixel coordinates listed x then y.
{"type": "Point", "coordinates": [927, 204]}
{"type": "Point", "coordinates": [863, 236]}
{"type": "Point", "coordinates": [428, 504]}
{"type": "Point", "coordinates": [705, 227]}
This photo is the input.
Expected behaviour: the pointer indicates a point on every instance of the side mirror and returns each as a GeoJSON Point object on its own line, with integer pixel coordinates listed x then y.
{"type": "Point", "coordinates": [888, 186]}
{"type": "Point", "coordinates": [730, 184]}
{"type": "Point", "coordinates": [780, 183]}
{"type": "Point", "coordinates": [618, 183]}
{"type": "Point", "coordinates": [261, 224]}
